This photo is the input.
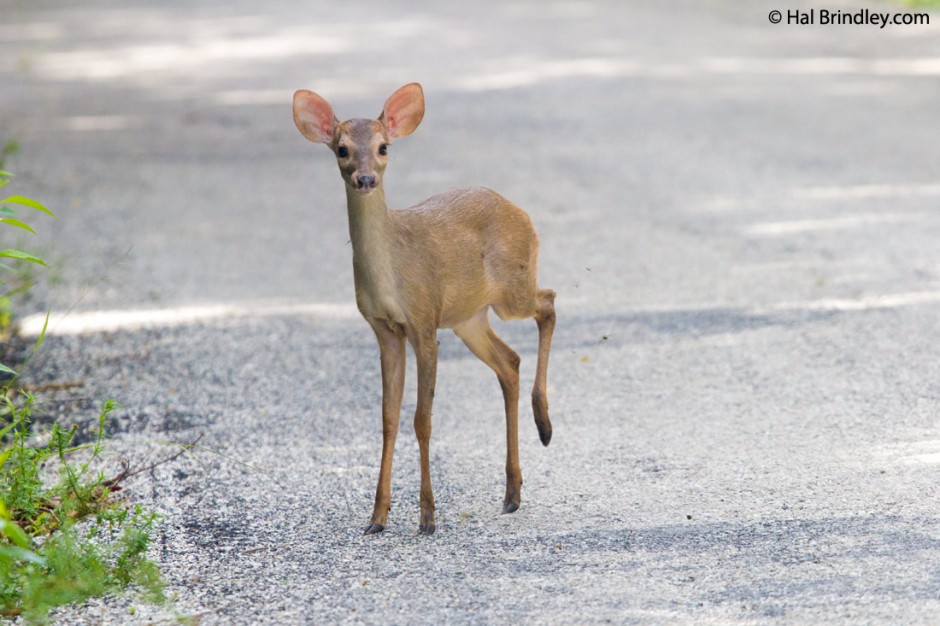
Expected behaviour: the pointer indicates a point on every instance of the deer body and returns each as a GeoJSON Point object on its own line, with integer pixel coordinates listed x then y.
{"type": "Point", "coordinates": [440, 264]}
{"type": "Point", "coordinates": [441, 261]}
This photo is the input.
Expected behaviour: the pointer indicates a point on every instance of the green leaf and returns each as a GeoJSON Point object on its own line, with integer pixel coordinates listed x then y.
{"type": "Point", "coordinates": [5, 210]}
{"type": "Point", "coordinates": [14, 533]}
{"type": "Point", "coordinates": [22, 554]}
{"type": "Point", "coordinates": [3, 433]}
{"type": "Point", "coordinates": [42, 335]}
{"type": "Point", "coordinates": [21, 256]}
{"type": "Point", "coordinates": [28, 202]}
{"type": "Point", "coordinates": [7, 370]}
{"type": "Point", "coordinates": [16, 223]}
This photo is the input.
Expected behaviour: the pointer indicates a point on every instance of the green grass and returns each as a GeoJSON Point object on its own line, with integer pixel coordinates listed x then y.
{"type": "Point", "coordinates": [64, 536]}
{"type": "Point", "coordinates": [16, 276]}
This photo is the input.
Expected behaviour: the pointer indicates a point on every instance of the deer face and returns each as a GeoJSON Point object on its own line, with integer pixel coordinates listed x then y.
{"type": "Point", "coordinates": [360, 145]}
{"type": "Point", "coordinates": [361, 149]}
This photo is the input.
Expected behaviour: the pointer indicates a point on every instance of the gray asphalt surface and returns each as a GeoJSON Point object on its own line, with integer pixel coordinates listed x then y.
{"type": "Point", "coordinates": [740, 220]}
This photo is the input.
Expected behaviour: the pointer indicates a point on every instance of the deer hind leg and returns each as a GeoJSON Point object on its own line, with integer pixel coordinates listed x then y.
{"type": "Point", "coordinates": [545, 318]}
{"type": "Point", "coordinates": [392, 349]}
{"type": "Point", "coordinates": [478, 335]}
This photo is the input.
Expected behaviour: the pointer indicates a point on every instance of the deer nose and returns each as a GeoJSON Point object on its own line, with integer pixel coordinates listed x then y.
{"type": "Point", "coordinates": [365, 181]}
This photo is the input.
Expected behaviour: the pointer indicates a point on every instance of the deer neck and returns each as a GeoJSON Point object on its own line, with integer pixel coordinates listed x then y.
{"type": "Point", "coordinates": [372, 235]}
{"type": "Point", "coordinates": [370, 226]}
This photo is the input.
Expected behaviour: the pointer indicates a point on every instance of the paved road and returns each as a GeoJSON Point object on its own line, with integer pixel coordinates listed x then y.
{"type": "Point", "coordinates": [741, 222]}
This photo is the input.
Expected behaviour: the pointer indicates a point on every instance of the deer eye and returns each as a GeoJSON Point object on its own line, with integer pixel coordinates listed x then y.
{"type": "Point", "coordinates": [342, 152]}
{"type": "Point", "coordinates": [383, 149]}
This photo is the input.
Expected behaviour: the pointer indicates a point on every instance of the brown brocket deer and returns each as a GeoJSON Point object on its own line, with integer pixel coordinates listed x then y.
{"type": "Point", "coordinates": [440, 264]}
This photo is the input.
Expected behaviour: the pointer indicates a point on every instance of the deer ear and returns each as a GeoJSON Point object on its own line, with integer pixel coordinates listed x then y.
{"type": "Point", "coordinates": [403, 111]}
{"type": "Point", "coordinates": [314, 116]}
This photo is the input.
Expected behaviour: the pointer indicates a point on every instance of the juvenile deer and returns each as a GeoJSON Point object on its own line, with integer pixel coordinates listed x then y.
{"type": "Point", "coordinates": [440, 264]}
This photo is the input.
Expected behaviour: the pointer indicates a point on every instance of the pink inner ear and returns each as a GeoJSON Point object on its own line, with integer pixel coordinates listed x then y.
{"type": "Point", "coordinates": [403, 110]}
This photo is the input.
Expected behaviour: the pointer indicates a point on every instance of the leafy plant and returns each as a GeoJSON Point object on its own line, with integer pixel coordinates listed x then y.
{"type": "Point", "coordinates": [64, 537]}
{"type": "Point", "coordinates": [9, 219]}
{"type": "Point", "coordinates": [67, 538]}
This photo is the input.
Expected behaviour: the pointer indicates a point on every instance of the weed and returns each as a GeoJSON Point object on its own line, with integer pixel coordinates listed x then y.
{"type": "Point", "coordinates": [64, 537]}
{"type": "Point", "coordinates": [21, 280]}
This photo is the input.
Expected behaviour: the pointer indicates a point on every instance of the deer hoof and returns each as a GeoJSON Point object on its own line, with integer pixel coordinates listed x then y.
{"type": "Point", "coordinates": [426, 529]}
{"type": "Point", "coordinates": [373, 529]}
{"type": "Point", "coordinates": [510, 507]}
